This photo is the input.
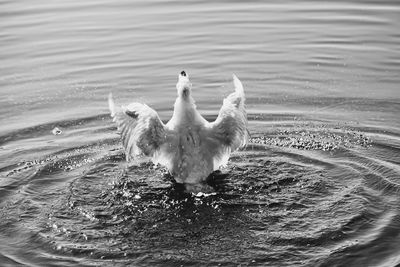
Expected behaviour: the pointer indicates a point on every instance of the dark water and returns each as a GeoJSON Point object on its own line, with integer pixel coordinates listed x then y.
{"type": "Point", "coordinates": [318, 185]}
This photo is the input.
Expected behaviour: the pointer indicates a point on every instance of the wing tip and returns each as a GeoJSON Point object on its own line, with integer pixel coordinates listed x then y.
{"type": "Point", "coordinates": [111, 104]}
{"type": "Point", "coordinates": [238, 84]}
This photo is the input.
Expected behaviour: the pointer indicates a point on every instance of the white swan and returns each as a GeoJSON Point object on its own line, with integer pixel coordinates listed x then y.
{"type": "Point", "coordinates": [188, 146]}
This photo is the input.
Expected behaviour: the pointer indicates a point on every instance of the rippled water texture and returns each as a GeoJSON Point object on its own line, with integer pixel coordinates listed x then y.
{"type": "Point", "coordinates": [318, 184]}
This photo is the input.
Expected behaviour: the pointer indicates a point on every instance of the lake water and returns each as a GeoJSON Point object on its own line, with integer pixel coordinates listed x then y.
{"type": "Point", "coordinates": [318, 185]}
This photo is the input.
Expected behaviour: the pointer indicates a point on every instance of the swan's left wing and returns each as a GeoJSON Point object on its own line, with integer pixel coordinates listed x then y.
{"type": "Point", "coordinates": [142, 131]}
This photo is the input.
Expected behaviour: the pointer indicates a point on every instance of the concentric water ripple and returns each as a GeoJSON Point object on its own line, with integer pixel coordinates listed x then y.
{"type": "Point", "coordinates": [277, 202]}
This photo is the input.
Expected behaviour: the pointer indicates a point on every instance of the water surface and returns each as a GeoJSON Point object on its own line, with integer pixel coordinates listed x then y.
{"type": "Point", "coordinates": [318, 185]}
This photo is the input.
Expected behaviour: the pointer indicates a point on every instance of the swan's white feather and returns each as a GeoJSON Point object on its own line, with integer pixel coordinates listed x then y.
{"type": "Point", "coordinates": [230, 127]}
{"type": "Point", "coordinates": [142, 131]}
{"type": "Point", "coordinates": [188, 145]}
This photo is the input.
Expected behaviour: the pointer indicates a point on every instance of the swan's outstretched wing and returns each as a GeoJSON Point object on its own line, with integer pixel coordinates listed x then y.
{"type": "Point", "coordinates": [229, 130]}
{"type": "Point", "coordinates": [141, 129]}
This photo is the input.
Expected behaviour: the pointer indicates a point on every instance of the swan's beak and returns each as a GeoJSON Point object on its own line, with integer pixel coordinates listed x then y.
{"type": "Point", "coordinates": [183, 86]}
{"type": "Point", "coordinates": [183, 77]}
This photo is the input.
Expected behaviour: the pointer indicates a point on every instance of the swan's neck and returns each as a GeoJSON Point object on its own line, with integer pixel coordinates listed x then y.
{"type": "Point", "coordinates": [184, 112]}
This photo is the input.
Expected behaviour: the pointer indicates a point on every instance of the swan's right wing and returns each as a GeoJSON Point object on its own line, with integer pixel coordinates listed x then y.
{"type": "Point", "coordinates": [142, 131]}
{"type": "Point", "coordinates": [229, 131]}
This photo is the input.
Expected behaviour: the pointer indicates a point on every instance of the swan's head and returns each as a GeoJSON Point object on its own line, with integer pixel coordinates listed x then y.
{"type": "Point", "coordinates": [184, 86]}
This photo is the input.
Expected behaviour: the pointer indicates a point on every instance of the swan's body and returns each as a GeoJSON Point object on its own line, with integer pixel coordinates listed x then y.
{"type": "Point", "coordinates": [188, 145]}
